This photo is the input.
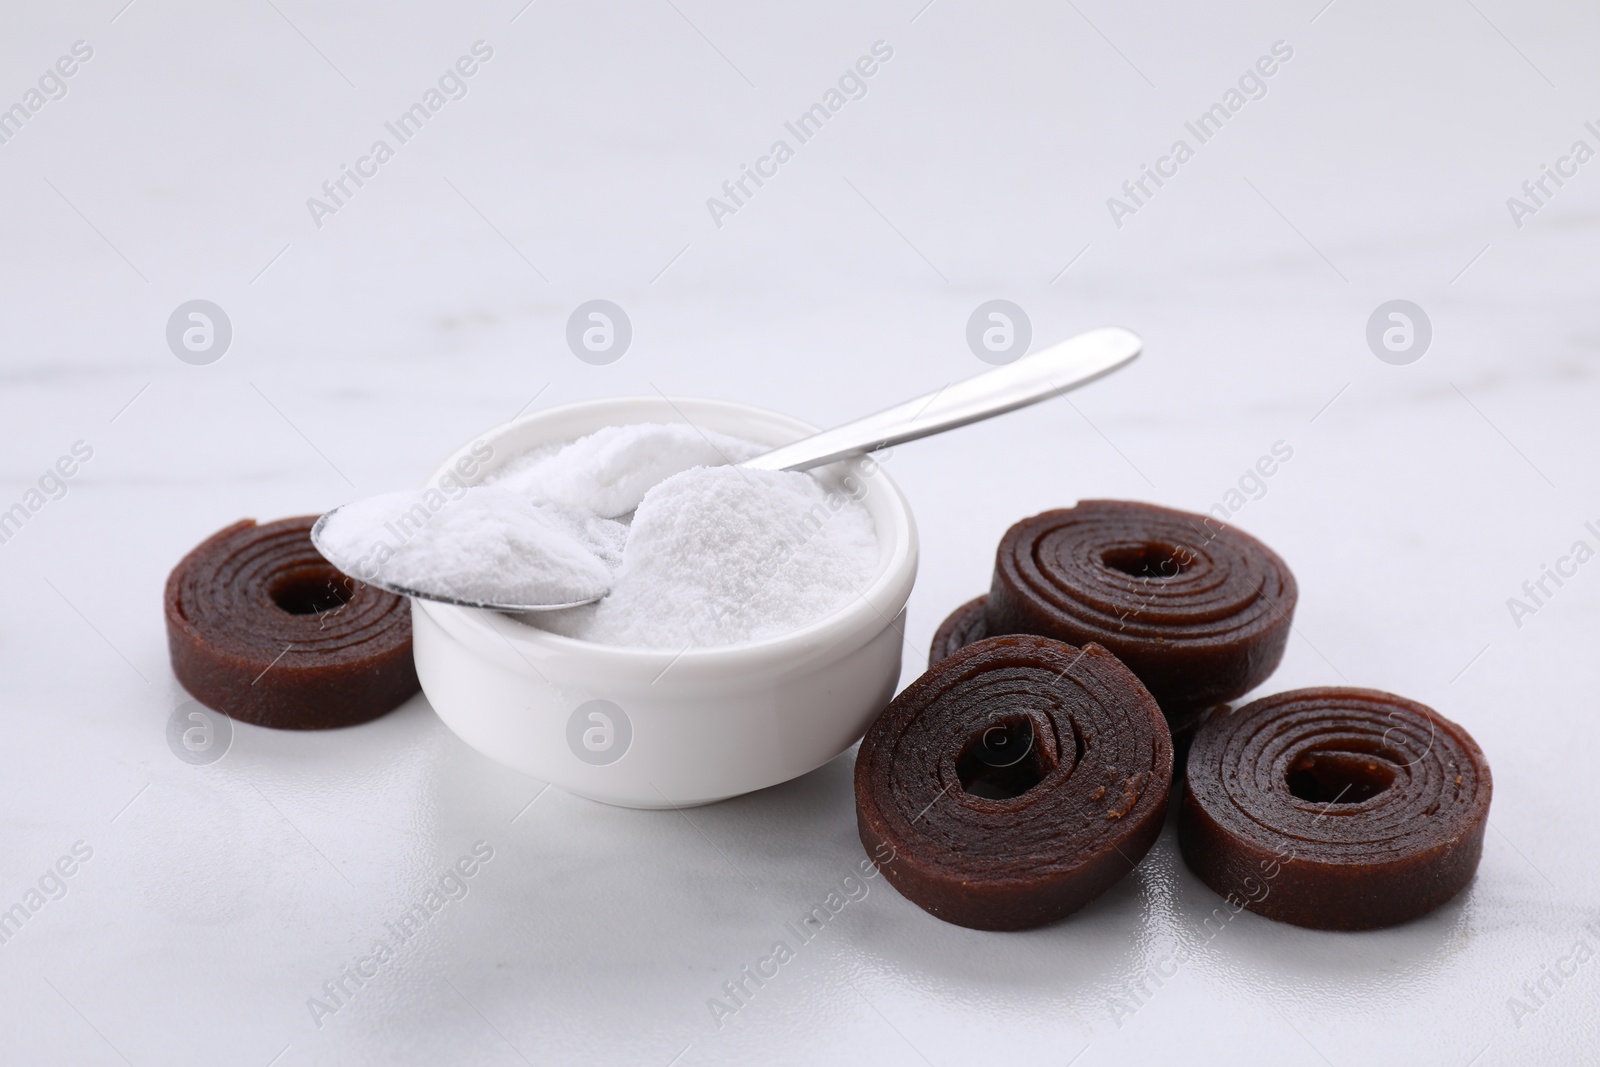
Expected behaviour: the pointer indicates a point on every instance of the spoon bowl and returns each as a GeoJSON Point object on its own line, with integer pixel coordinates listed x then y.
{"type": "Point", "coordinates": [351, 567]}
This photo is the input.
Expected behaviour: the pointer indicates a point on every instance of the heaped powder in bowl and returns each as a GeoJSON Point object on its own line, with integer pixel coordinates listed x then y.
{"type": "Point", "coordinates": [714, 554]}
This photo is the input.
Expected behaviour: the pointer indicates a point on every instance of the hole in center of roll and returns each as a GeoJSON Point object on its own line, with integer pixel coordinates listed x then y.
{"type": "Point", "coordinates": [1004, 759]}
{"type": "Point", "coordinates": [310, 590]}
{"type": "Point", "coordinates": [1149, 560]}
{"type": "Point", "coordinates": [1324, 776]}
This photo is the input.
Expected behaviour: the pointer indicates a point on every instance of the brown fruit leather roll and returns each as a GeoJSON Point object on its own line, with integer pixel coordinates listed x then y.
{"type": "Point", "coordinates": [1014, 782]}
{"type": "Point", "coordinates": [970, 623]}
{"type": "Point", "coordinates": [262, 628]}
{"type": "Point", "coordinates": [1199, 611]}
{"type": "Point", "coordinates": [1335, 808]}
{"type": "Point", "coordinates": [966, 624]}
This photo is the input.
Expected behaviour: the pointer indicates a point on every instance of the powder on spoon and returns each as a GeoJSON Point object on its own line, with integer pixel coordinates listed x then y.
{"type": "Point", "coordinates": [484, 545]}
{"type": "Point", "coordinates": [704, 554]}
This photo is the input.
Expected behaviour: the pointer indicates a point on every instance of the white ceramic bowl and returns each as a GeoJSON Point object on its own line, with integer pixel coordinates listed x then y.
{"type": "Point", "coordinates": [651, 728]}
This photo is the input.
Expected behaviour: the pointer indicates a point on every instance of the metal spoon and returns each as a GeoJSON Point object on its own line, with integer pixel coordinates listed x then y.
{"type": "Point", "coordinates": [1049, 372]}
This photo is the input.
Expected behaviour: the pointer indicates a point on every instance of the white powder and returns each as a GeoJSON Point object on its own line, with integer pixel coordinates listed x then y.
{"type": "Point", "coordinates": [713, 555]}
{"type": "Point", "coordinates": [484, 544]}
{"type": "Point", "coordinates": [718, 556]}
{"type": "Point", "coordinates": [608, 472]}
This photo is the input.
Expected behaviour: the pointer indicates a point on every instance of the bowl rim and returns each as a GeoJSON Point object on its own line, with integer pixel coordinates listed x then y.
{"type": "Point", "coordinates": [861, 618]}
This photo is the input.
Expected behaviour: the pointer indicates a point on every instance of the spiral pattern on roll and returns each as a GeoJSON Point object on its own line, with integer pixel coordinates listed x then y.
{"type": "Point", "coordinates": [1199, 611]}
{"type": "Point", "coordinates": [262, 628]}
{"type": "Point", "coordinates": [1335, 808]}
{"type": "Point", "coordinates": [1014, 782]}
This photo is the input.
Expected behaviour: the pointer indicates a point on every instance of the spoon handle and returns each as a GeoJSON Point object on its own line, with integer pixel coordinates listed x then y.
{"type": "Point", "coordinates": [1048, 372]}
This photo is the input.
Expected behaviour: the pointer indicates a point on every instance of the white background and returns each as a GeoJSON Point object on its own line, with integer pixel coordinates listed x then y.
{"type": "Point", "coordinates": [433, 304]}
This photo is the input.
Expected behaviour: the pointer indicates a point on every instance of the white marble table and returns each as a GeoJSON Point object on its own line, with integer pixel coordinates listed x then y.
{"type": "Point", "coordinates": [216, 901]}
